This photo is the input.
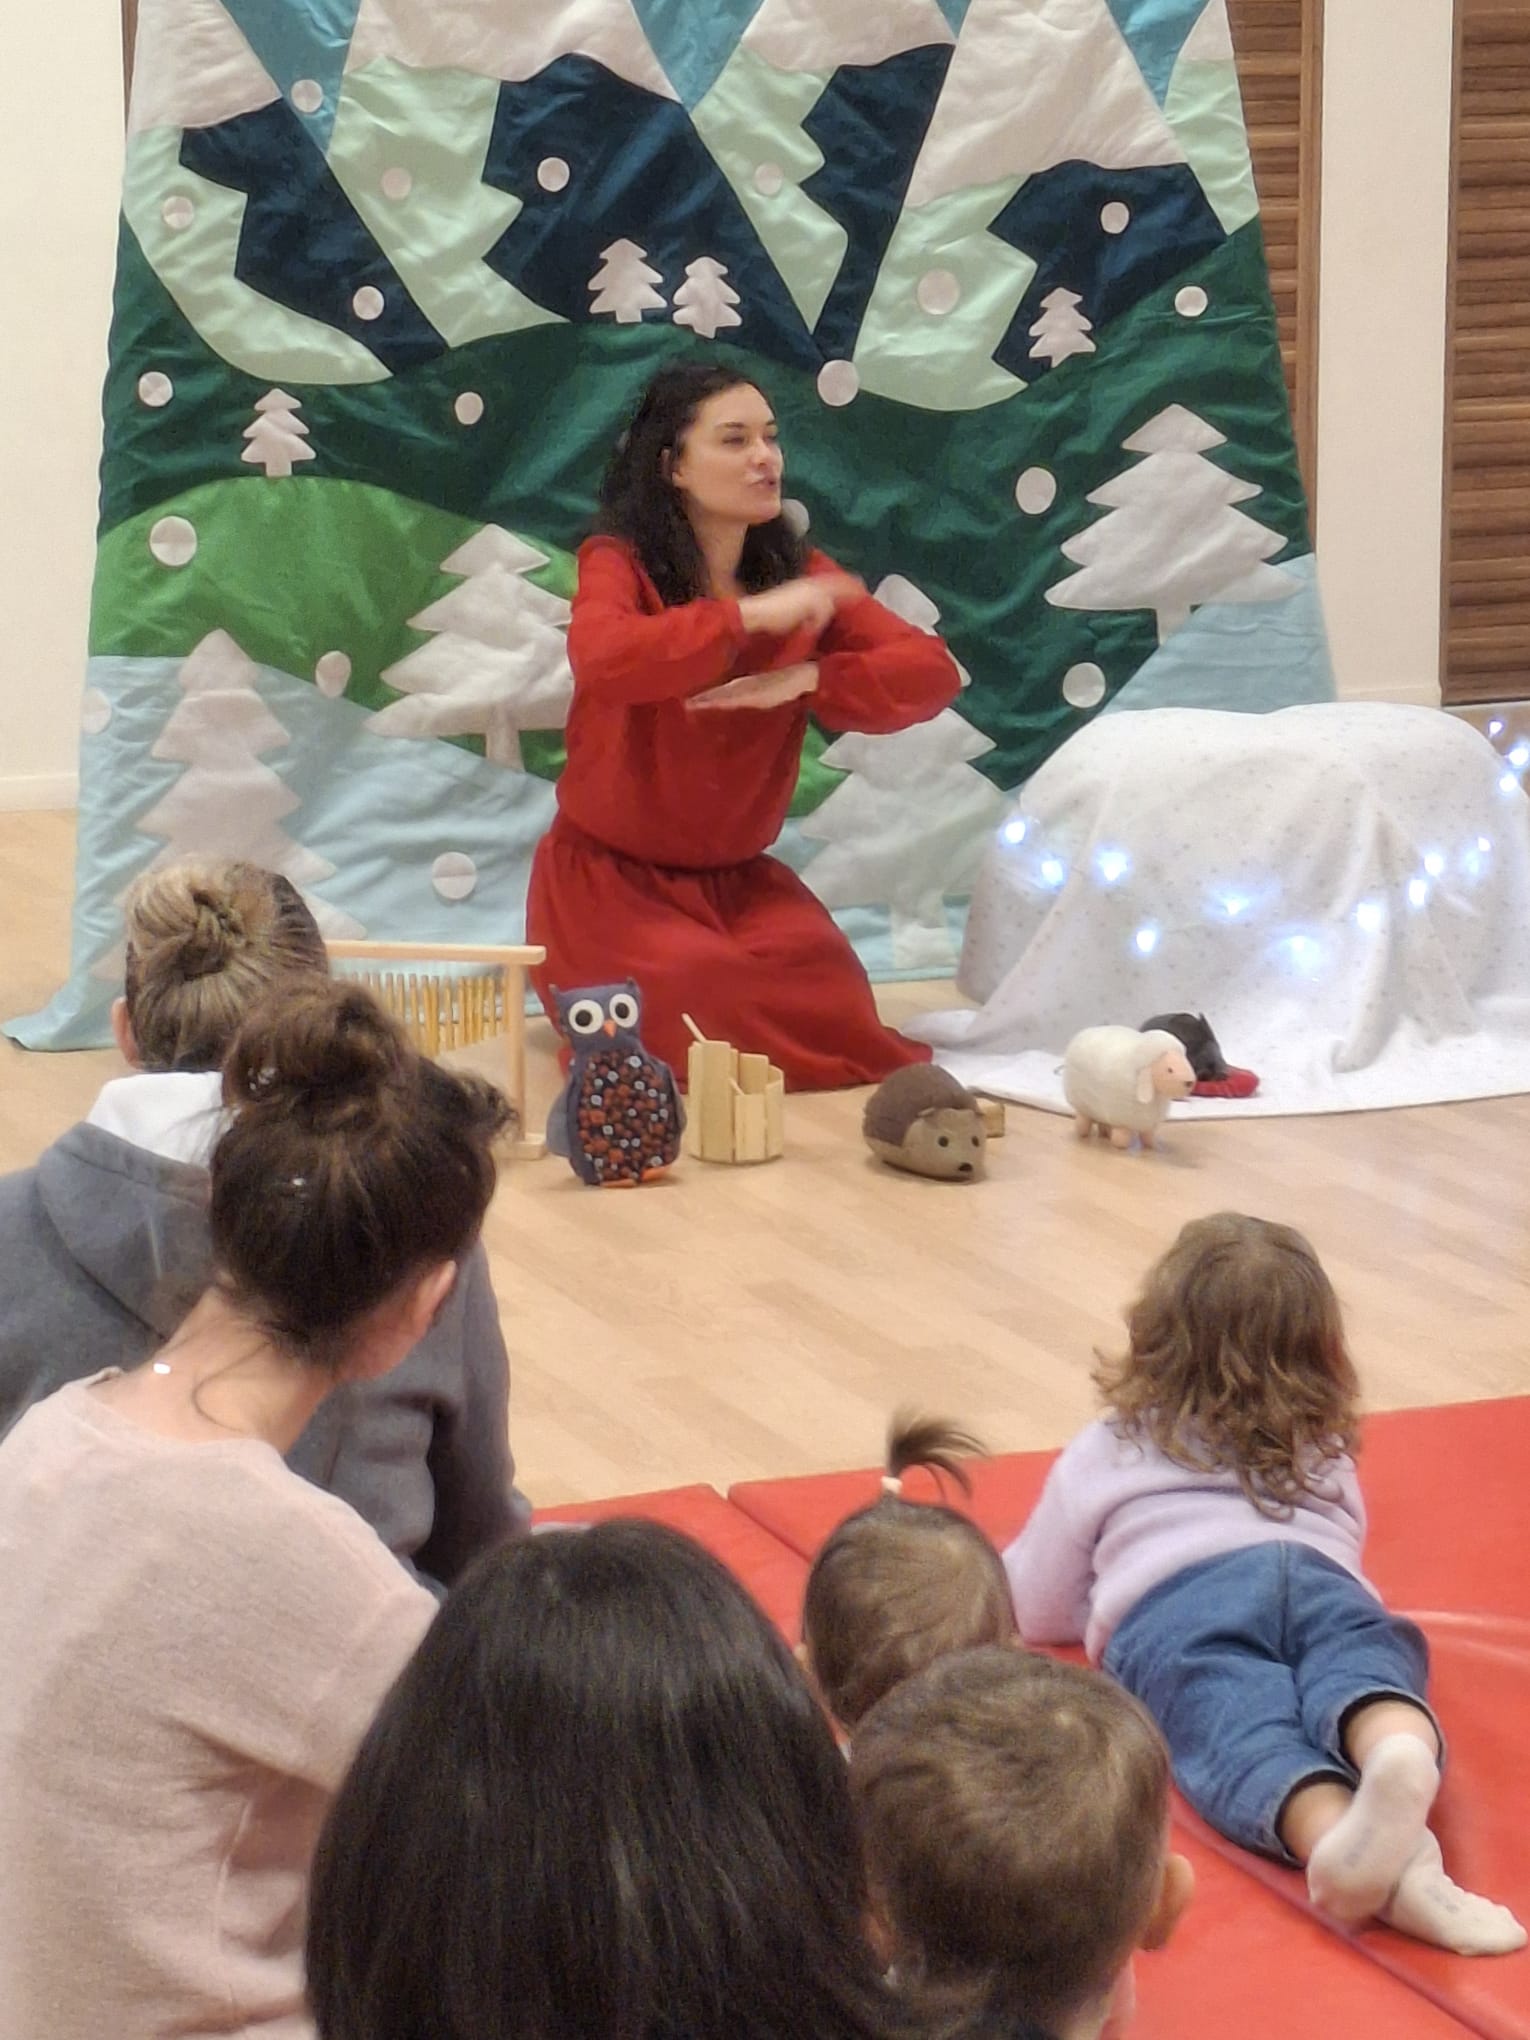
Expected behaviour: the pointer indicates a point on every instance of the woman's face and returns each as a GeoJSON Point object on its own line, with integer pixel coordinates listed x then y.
{"type": "Point", "coordinates": [729, 463]}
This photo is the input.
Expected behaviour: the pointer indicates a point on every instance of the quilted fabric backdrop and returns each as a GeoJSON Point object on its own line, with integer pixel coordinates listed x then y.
{"type": "Point", "coordinates": [391, 274]}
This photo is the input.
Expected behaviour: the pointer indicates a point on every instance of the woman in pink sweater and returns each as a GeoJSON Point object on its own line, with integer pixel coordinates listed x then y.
{"type": "Point", "coordinates": [1204, 1541]}
{"type": "Point", "coordinates": [193, 1639]}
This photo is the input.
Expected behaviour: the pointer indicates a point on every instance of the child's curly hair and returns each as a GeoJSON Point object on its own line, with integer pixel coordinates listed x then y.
{"type": "Point", "coordinates": [1237, 1360]}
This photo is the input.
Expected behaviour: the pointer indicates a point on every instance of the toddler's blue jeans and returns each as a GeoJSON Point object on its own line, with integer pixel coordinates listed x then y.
{"type": "Point", "coordinates": [1251, 1664]}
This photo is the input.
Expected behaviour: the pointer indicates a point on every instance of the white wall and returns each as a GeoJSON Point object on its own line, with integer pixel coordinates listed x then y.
{"type": "Point", "coordinates": [60, 180]}
{"type": "Point", "coordinates": [1381, 346]}
{"type": "Point", "coordinates": [1385, 171]}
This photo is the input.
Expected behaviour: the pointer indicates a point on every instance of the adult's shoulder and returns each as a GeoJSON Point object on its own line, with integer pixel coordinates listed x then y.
{"type": "Point", "coordinates": [607, 555]}
{"type": "Point", "coordinates": [86, 1150]}
{"type": "Point", "coordinates": [610, 567]}
{"type": "Point", "coordinates": [819, 562]}
{"type": "Point", "coordinates": [328, 1552]}
{"type": "Point", "coordinates": [605, 542]}
{"type": "Point", "coordinates": [18, 1190]}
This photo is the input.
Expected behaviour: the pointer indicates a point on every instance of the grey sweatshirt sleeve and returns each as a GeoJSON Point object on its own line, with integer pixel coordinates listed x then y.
{"type": "Point", "coordinates": [477, 1502]}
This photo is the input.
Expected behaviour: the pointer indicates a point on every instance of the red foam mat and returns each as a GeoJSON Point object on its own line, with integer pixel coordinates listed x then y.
{"type": "Point", "coordinates": [1449, 1497]}
{"type": "Point", "coordinates": [1448, 1492]}
{"type": "Point", "coordinates": [1481, 1691]}
{"type": "Point", "coordinates": [772, 1572]}
{"type": "Point", "coordinates": [1243, 1968]}
{"type": "Point", "coordinates": [802, 1512]}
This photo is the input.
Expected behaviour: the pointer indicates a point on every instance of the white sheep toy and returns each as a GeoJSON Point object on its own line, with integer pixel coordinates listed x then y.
{"type": "Point", "coordinates": [1121, 1080]}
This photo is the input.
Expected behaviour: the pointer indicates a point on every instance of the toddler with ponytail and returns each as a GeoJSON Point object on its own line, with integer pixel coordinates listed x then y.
{"type": "Point", "coordinates": [901, 1583]}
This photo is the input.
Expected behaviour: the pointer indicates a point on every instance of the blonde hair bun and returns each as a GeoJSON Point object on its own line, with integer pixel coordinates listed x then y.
{"type": "Point", "coordinates": [206, 938]}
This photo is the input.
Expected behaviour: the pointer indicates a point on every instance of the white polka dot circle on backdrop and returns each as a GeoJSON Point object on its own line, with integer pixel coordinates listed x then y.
{"type": "Point", "coordinates": [454, 875]}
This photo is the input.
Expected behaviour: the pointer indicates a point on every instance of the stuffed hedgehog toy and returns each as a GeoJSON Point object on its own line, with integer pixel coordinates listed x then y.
{"type": "Point", "coordinates": [922, 1120]}
{"type": "Point", "coordinates": [618, 1119]}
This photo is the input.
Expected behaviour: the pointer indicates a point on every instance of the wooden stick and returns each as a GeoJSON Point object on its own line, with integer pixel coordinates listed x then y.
{"type": "Point", "coordinates": [525, 953]}
{"type": "Point", "coordinates": [696, 1032]}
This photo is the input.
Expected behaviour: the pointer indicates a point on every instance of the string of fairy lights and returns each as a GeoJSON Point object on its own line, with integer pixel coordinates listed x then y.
{"type": "Point", "coordinates": [1304, 950]}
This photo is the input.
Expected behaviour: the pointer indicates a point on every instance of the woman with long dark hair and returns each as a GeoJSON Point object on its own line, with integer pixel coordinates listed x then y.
{"type": "Point", "coordinates": [704, 632]}
{"type": "Point", "coordinates": [600, 1804]}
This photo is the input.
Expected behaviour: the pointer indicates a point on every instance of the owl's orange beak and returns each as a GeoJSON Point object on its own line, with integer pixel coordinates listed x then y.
{"type": "Point", "coordinates": [609, 1028]}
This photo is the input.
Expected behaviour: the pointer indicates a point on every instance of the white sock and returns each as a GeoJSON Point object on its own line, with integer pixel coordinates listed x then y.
{"type": "Point", "coordinates": [1430, 1907]}
{"type": "Point", "coordinates": [1355, 1868]}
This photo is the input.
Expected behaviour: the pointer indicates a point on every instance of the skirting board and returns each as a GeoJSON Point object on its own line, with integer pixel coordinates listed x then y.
{"type": "Point", "coordinates": [39, 790]}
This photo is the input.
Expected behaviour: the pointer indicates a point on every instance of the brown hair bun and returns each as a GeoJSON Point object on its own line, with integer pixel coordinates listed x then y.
{"type": "Point", "coordinates": [350, 1164]}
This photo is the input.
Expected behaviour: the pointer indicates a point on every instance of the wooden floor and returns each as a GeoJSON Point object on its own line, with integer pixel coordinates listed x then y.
{"type": "Point", "coordinates": [728, 1324]}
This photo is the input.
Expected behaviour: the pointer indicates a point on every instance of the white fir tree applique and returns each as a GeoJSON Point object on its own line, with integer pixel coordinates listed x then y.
{"type": "Point", "coordinates": [623, 284]}
{"type": "Point", "coordinates": [497, 663]}
{"type": "Point", "coordinates": [704, 302]}
{"type": "Point", "coordinates": [226, 803]}
{"type": "Point", "coordinates": [276, 435]}
{"type": "Point", "coordinates": [907, 828]}
{"type": "Point", "coordinates": [1172, 539]}
{"type": "Point", "coordinates": [1062, 329]}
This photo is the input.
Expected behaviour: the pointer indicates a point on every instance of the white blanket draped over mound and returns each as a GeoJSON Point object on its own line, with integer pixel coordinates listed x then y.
{"type": "Point", "coordinates": [1343, 890]}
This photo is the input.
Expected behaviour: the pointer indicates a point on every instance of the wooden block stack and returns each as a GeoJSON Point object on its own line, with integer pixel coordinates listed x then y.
{"type": "Point", "coordinates": [735, 1110]}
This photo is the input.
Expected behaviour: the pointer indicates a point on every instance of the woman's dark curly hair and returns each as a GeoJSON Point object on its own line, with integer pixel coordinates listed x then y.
{"type": "Point", "coordinates": [640, 504]}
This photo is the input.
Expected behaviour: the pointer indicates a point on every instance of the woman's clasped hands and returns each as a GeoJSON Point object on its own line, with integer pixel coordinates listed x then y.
{"type": "Point", "coordinates": [809, 602]}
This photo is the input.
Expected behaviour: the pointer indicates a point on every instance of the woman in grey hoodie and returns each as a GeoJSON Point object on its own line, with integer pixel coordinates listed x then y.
{"type": "Point", "coordinates": [104, 1244]}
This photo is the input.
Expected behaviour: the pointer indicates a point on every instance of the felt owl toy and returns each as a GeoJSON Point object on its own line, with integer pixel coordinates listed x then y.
{"type": "Point", "coordinates": [618, 1119]}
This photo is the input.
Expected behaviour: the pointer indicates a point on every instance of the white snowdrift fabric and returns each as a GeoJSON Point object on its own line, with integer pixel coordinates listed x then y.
{"type": "Point", "coordinates": [1343, 889]}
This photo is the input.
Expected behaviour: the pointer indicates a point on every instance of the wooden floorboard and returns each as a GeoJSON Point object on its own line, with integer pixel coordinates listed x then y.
{"type": "Point", "coordinates": [736, 1323]}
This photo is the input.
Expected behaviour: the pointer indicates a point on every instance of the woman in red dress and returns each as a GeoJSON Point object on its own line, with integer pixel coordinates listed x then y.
{"type": "Point", "coordinates": [703, 633]}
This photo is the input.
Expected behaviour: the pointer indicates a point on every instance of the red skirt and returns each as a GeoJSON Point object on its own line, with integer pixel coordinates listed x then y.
{"type": "Point", "coordinates": [747, 951]}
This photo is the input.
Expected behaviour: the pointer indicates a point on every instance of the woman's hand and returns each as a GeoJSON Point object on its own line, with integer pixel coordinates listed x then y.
{"type": "Point", "coordinates": [808, 602]}
{"type": "Point", "coordinates": [759, 690]}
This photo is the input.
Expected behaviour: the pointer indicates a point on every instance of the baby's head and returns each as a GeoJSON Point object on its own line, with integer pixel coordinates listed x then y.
{"type": "Point", "coordinates": [1237, 1358]}
{"type": "Point", "coordinates": [902, 1583]}
{"type": "Point", "coordinates": [1014, 1813]}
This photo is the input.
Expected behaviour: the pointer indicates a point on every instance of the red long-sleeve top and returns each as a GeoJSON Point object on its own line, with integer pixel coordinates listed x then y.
{"type": "Point", "coordinates": [700, 789]}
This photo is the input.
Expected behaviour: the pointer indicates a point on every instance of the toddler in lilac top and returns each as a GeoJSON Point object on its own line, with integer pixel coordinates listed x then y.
{"type": "Point", "coordinates": [1203, 1540]}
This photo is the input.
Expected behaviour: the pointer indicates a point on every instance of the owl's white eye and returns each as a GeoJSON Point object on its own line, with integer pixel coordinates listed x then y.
{"type": "Point", "coordinates": [624, 1010]}
{"type": "Point", "coordinates": [586, 1016]}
